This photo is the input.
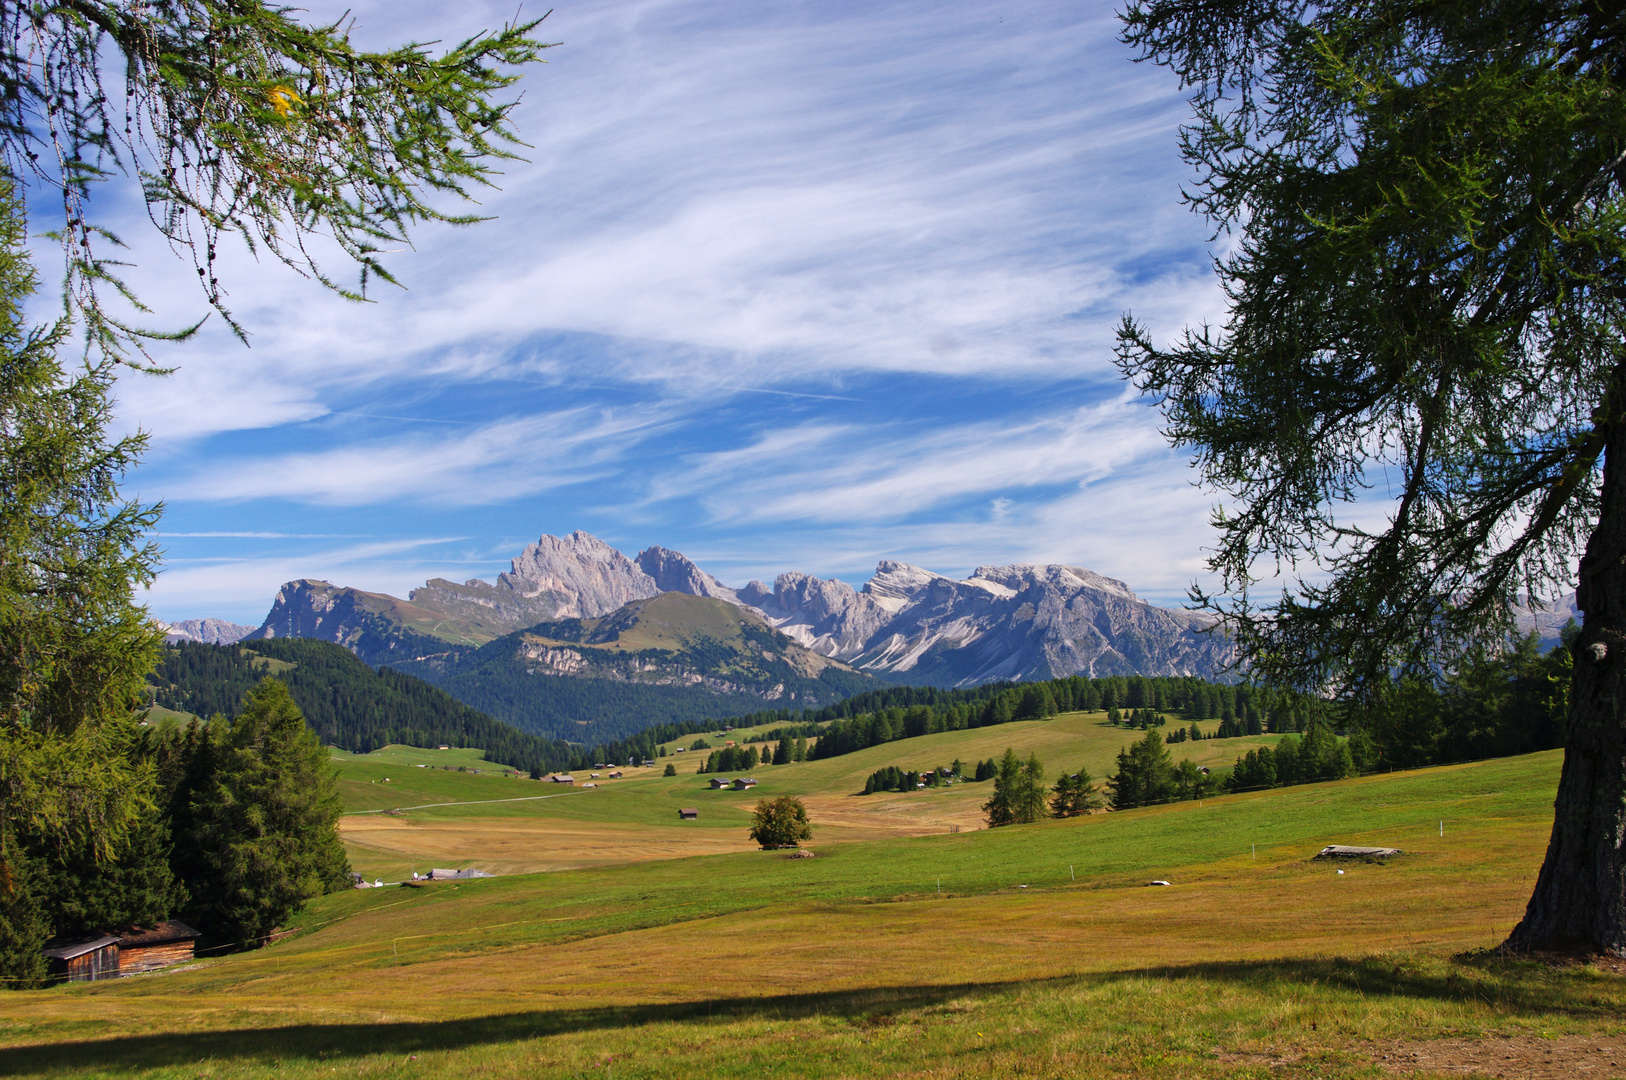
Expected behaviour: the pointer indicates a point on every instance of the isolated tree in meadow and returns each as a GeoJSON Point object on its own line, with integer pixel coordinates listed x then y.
{"type": "Point", "coordinates": [780, 822]}
{"type": "Point", "coordinates": [1074, 794]}
{"type": "Point", "coordinates": [1019, 793]}
{"type": "Point", "coordinates": [1427, 300]}
{"type": "Point", "coordinates": [671, 770]}
{"type": "Point", "coordinates": [1145, 775]}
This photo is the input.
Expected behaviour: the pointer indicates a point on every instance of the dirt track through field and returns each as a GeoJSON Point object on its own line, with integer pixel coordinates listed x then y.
{"type": "Point", "coordinates": [465, 802]}
{"type": "Point", "coordinates": [1569, 1057]}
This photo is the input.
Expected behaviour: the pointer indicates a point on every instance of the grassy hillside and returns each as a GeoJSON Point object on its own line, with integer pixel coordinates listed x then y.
{"type": "Point", "coordinates": [635, 819]}
{"type": "Point", "coordinates": [1258, 961]}
{"type": "Point", "coordinates": [669, 658]}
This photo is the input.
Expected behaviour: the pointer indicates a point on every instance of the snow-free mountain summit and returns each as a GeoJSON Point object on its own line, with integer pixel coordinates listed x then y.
{"type": "Point", "coordinates": [906, 624]}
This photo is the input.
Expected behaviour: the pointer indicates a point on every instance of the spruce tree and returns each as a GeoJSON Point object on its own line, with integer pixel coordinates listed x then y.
{"type": "Point", "coordinates": [1145, 774]}
{"type": "Point", "coordinates": [1001, 806]}
{"type": "Point", "coordinates": [263, 821]}
{"type": "Point", "coordinates": [74, 647]}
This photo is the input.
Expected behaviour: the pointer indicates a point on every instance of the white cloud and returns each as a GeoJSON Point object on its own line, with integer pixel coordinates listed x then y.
{"type": "Point", "coordinates": [493, 463]}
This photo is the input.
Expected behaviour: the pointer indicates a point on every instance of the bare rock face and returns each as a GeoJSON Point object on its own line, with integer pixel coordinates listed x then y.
{"type": "Point", "coordinates": [588, 577]}
{"type": "Point", "coordinates": [1003, 622]}
{"type": "Point", "coordinates": [1546, 617]}
{"type": "Point", "coordinates": [206, 631]}
{"type": "Point", "coordinates": [828, 617]}
{"type": "Point", "coordinates": [672, 571]}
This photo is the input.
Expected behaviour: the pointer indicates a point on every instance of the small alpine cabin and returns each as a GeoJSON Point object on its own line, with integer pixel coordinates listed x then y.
{"type": "Point", "coordinates": [170, 942]}
{"type": "Point", "coordinates": [85, 959]}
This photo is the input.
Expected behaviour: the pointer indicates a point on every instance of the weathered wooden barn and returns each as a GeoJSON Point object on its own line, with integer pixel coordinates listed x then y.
{"type": "Point", "coordinates": [689, 813]}
{"type": "Point", "coordinates": [85, 959]}
{"type": "Point", "coordinates": [149, 949]}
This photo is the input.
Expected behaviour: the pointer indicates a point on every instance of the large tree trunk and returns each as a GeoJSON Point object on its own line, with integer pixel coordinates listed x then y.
{"type": "Point", "coordinates": [1579, 903]}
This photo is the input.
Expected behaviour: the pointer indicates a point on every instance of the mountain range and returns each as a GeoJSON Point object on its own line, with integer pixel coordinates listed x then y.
{"type": "Point", "coordinates": [906, 624]}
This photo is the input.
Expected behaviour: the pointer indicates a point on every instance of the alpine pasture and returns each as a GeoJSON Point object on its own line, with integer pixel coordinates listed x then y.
{"type": "Point", "coordinates": [902, 948]}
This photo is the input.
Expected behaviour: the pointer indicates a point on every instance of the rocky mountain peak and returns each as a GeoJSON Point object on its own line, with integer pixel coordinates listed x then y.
{"type": "Point", "coordinates": [589, 577]}
{"type": "Point", "coordinates": [672, 571]}
{"type": "Point", "coordinates": [898, 583]}
{"type": "Point", "coordinates": [206, 631]}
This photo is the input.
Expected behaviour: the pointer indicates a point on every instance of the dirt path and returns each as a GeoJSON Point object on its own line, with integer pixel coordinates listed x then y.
{"type": "Point", "coordinates": [1525, 1057]}
{"type": "Point", "coordinates": [470, 802]}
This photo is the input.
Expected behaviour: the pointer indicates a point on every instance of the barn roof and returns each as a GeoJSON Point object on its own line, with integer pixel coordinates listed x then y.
{"type": "Point", "coordinates": [169, 930]}
{"type": "Point", "coordinates": [75, 947]}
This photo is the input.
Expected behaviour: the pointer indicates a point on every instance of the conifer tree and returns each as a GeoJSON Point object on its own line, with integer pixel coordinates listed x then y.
{"type": "Point", "coordinates": [1145, 774]}
{"type": "Point", "coordinates": [1427, 281]}
{"type": "Point", "coordinates": [74, 647]}
{"type": "Point", "coordinates": [262, 828]}
{"type": "Point", "coordinates": [1000, 807]}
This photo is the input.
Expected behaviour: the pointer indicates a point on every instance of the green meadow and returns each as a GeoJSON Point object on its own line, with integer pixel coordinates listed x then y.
{"type": "Point", "coordinates": [1026, 951]}
{"type": "Point", "coordinates": [507, 824]}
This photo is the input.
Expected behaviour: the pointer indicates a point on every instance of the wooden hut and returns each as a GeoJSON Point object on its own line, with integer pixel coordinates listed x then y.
{"type": "Point", "coordinates": [689, 813]}
{"type": "Point", "coordinates": [167, 943]}
{"type": "Point", "coordinates": [85, 959]}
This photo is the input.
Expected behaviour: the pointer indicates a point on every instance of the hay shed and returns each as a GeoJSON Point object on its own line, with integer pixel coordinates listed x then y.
{"type": "Point", "coordinates": [85, 959]}
{"type": "Point", "coordinates": [689, 813]}
{"type": "Point", "coordinates": [170, 942]}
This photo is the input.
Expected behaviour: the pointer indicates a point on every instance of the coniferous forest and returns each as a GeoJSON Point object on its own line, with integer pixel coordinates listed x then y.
{"type": "Point", "coordinates": [349, 704]}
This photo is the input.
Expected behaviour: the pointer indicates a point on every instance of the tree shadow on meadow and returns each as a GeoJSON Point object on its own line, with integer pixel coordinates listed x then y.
{"type": "Point", "coordinates": [1519, 986]}
{"type": "Point", "coordinates": [356, 1040]}
{"type": "Point", "coordinates": [1511, 986]}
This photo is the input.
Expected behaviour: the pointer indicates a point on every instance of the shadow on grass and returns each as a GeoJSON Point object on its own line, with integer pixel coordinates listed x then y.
{"type": "Point", "coordinates": [1509, 986]}
{"type": "Point", "coordinates": [337, 1041]}
{"type": "Point", "coordinates": [1512, 985]}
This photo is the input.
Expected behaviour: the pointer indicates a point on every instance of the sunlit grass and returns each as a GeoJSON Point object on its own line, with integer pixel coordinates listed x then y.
{"type": "Point", "coordinates": [853, 963]}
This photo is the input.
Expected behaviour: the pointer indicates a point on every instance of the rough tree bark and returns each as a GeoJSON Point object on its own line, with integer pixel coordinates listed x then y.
{"type": "Point", "coordinates": [1579, 902]}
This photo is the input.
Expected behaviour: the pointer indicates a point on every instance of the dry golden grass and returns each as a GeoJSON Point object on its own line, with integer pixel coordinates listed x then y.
{"type": "Point", "coordinates": [634, 819]}
{"type": "Point", "coordinates": [390, 846]}
{"type": "Point", "coordinates": [851, 964]}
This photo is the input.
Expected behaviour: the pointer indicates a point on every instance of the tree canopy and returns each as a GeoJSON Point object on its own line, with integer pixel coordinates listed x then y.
{"type": "Point", "coordinates": [236, 118]}
{"type": "Point", "coordinates": [1420, 381]}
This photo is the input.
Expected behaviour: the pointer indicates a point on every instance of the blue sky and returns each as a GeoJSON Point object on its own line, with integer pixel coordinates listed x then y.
{"type": "Point", "coordinates": [788, 286]}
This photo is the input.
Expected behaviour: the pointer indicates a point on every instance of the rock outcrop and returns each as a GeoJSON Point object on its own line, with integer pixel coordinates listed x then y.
{"type": "Point", "coordinates": [206, 631]}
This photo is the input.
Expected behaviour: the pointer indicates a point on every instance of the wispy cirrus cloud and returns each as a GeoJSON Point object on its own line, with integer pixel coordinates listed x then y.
{"type": "Point", "coordinates": [780, 285]}
{"type": "Point", "coordinates": [494, 462]}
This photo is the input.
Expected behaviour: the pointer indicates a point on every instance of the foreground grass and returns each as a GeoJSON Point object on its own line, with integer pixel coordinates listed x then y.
{"type": "Point", "coordinates": [853, 964]}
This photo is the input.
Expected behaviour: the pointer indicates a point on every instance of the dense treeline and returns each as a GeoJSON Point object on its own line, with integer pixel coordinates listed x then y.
{"type": "Point", "coordinates": [349, 704]}
{"type": "Point", "coordinates": [1146, 700]}
{"type": "Point", "coordinates": [1491, 705]}
{"type": "Point", "coordinates": [236, 832]}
